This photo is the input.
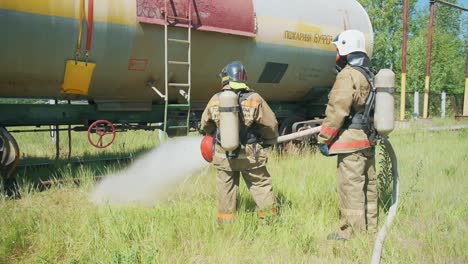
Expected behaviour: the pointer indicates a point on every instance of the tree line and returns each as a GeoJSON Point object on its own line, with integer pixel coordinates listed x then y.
{"type": "Point", "coordinates": [450, 43]}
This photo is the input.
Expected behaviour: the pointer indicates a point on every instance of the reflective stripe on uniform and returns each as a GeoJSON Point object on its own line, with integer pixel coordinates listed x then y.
{"type": "Point", "coordinates": [226, 216]}
{"type": "Point", "coordinates": [329, 131]}
{"type": "Point", "coordinates": [272, 212]}
{"type": "Point", "coordinates": [350, 144]}
{"type": "Point", "coordinates": [238, 85]}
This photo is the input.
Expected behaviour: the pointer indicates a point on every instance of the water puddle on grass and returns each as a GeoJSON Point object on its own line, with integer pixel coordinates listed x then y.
{"type": "Point", "coordinates": [152, 176]}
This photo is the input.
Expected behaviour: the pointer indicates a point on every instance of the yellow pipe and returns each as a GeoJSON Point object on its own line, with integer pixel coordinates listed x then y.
{"type": "Point", "coordinates": [426, 97]}
{"type": "Point", "coordinates": [403, 96]}
{"type": "Point", "coordinates": [465, 104]}
{"type": "Point", "coordinates": [80, 33]}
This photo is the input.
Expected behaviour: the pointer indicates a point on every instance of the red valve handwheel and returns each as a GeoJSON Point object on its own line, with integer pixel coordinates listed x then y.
{"type": "Point", "coordinates": [101, 128]}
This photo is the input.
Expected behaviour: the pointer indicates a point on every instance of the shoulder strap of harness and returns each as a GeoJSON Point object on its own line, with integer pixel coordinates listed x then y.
{"type": "Point", "coordinates": [362, 120]}
{"type": "Point", "coordinates": [371, 96]}
{"type": "Point", "coordinates": [245, 134]}
{"type": "Point", "coordinates": [243, 95]}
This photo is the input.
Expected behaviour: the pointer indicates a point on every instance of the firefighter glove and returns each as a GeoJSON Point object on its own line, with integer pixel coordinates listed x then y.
{"type": "Point", "coordinates": [324, 149]}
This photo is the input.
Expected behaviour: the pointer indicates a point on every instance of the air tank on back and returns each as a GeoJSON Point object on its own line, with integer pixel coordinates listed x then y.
{"type": "Point", "coordinates": [384, 102]}
{"type": "Point", "coordinates": [229, 120]}
{"type": "Point", "coordinates": [286, 45]}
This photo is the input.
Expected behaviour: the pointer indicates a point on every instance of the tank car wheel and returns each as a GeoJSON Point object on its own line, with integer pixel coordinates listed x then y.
{"type": "Point", "coordinates": [9, 161]}
{"type": "Point", "coordinates": [103, 129]}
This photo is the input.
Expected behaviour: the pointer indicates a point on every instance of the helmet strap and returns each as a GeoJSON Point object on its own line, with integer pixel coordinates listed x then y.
{"type": "Point", "coordinates": [341, 63]}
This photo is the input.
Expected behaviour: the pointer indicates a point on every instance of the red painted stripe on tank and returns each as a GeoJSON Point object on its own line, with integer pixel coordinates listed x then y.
{"type": "Point", "coordinates": [233, 17]}
{"type": "Point", "coordinates": [89, 36]}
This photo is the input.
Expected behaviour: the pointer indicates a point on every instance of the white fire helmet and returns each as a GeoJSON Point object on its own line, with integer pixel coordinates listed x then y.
{"type": "Point", "coordinates": [350, 41]}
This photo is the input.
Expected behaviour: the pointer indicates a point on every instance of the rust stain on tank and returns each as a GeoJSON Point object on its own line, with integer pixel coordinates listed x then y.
{"type": "Point", "coordinates": [233, 17]}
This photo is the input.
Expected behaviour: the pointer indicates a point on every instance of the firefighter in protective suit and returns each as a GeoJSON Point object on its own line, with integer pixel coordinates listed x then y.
{"type": "Point", "coordinates": [257, 124]}
{"type": "Point", "coordinates": [344, 134]}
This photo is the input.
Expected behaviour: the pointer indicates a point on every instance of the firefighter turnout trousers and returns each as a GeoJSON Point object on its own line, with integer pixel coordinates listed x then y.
{"type": "Point", "coordinates": [258, 182]}
{"type": "Point", "coordinates": [357, 189]}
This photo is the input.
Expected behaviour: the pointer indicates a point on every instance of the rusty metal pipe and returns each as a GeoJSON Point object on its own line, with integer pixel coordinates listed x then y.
{"type": "Point", "coordinates": [404, 59]}
{"type": "Point", "coordinates": [429, 59]}
{"type": "Point", "coordinates": [452, 5]}
{"type": "Point", "coordinates": [465, 101]}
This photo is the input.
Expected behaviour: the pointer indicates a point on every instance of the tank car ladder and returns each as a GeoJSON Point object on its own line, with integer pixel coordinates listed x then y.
{"type": "Point", "coordinates": [184, 89]}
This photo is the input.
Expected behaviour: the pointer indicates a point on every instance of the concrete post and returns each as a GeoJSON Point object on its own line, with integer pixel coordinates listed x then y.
{"type": "Point", "coordinates": [416, 105]}
{"type": "Point", "coordinates": [443, 97]}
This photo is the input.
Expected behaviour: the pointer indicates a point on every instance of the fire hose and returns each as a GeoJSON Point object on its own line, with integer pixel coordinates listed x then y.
{"type": "Point", "coordinates": [378, 245]}
{"type": "Point", "coordinates": [299, 134]}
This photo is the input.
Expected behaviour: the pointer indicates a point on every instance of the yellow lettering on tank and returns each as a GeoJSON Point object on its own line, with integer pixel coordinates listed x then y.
{"type": "Point", "coordinates": [309, 33]}
{"type": "Point", "coordinates": [110, 11]}
{"type": "Point", "coordinates": [293, 33]}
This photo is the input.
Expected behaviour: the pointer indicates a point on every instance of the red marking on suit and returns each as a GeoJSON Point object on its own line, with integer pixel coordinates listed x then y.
{"type": "Point", "coordinates": [350, 144]}
{"type": "Point", "coordinates": [329, 131]}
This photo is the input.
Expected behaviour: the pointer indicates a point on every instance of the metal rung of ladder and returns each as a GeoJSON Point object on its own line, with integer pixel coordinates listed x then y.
{"type": "Point", "coordinates": [187, 24]}
{"type": "Point", "coordinates": [179, 106]}
{"type": "Point", "coordinates": [179, 62]}
{"type": "Point", "coordinates": [179, 18]}
{"type": "Point", "coordinates": [179, 84]}
{"type": "Point", "coordinates": [179, 40]}
{"type": "Point", "coordinates": [177, 127]}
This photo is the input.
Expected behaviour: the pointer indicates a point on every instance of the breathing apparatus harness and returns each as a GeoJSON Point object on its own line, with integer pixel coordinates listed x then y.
{"type": "Point", "coordinates": [246, 133]}
{"type": "Point", "coordinates": [363, 119]}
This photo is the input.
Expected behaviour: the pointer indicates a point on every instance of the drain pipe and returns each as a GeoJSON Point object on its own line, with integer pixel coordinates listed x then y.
{"type": "Point", "coordinates": [378, 245]}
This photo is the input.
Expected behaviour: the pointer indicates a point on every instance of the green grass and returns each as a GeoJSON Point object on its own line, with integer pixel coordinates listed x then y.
{"type": "Point", "coordinates": [62, 226]}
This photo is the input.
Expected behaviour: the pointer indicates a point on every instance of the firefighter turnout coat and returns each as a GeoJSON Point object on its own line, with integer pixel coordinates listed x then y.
{"type": "Point", "coordinates": [348, 95]}
{"type": "Point", "coordinates": [258, 118]}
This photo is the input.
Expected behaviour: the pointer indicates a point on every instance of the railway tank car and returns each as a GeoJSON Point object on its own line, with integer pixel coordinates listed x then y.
{"type": "Point", "coordinates": [285, 46]}
{"type": "Point", "coordinates": [147, 64]}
